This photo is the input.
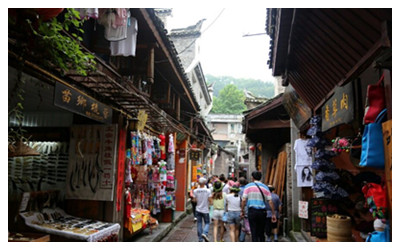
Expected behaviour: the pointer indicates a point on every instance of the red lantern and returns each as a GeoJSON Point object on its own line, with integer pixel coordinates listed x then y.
{"type": "Point", "coordinates": [48, 13]}
{"type": "Point", "coordinates": [252, 148]}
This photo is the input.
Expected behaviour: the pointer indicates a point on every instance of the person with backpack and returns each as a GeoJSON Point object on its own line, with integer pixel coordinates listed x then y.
{"type": "Point", "coordinates": [219, 200]}
{"type": "Point", "coordinates": [255, 196]}
{"type": "Point", "coordinates": [233, 208]}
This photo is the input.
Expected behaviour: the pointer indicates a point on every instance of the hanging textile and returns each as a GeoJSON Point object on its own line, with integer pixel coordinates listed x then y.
{"type": "Point", "coordinates": [126, 47]}
{"type": "Point", "coordinates": [162, 146]}
{"type": "Point", "coordinates": [115, 21]}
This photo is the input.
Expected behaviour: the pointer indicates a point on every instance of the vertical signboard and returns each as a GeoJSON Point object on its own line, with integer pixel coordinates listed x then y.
{"type": "Point", "coordinates": [121, 166]}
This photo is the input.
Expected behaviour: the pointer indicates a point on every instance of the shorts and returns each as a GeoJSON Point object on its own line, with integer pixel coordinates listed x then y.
{"type": "Point", "coordinates": [218, 214]}
{"type": "Point", "coordinates": [234, 217]}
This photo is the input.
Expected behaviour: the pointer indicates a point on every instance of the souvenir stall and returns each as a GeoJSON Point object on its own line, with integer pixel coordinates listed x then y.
{"type": "Point", "coordinates": [349, 197]}
{"type": "Point", "coordinates": [150, 181]}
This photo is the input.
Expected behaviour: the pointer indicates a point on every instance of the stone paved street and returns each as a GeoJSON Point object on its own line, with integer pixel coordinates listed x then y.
{"type": "Point", "coordinates": [186, 231]}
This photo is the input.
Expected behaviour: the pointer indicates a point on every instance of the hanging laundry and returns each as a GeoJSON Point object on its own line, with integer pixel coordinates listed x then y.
{"type": "Point", "coordinates": [115, 22]}
{"type": "Point", "coordinates": [126, 47]}
{"type": "Point", "coordinates": [86, 13]}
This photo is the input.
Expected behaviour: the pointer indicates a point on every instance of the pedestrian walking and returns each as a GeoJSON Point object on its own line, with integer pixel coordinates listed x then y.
{"type": "Point", "coordinates": [233, 208]}
{"type": "Point", "coordinates": [245, 220]}
{"type": "Point", "coordinates": [203, 198]}
{"type": "Point", "coordinates": [272, 227]}
{"type": "Point", "coordinates": [192, 201]}
{"type": "Point", "coordinates": [219, 200]}
{"type": "Point", "coordinates": [255, 196]}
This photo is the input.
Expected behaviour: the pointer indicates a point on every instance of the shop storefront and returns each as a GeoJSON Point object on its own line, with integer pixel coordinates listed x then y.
{"type": "Point", "coordinates": [96, 138]}
{"type": "Point", "coordinates": [340, 197]}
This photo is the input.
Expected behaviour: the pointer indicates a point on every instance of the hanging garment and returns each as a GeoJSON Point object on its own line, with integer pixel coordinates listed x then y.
{"type": "Point", "coordinates": [126, 47]}
{"type": "Point", "coordinates": [157, 150]}
{"type": "Point", "coordinates": [86, 13]}
{"type": "Point", "coordinates": [135, 148]}
{"type": "Point", "coordinates": [171, 146]}
{"type": "Point", "coordinates": [114, 24]}
{"type": "Point", "coordinates": [162, 146]}
{"type": "Point", "coordinates": [171, 162]}
{"type": "Point", "coordinates": [149, 152]}
{"type": "Point", "coordinates": [128, 174]}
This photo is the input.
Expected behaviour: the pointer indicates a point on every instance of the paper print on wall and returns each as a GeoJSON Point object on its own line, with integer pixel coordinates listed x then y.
{"type": "Point", "coordinates": [304, 176]}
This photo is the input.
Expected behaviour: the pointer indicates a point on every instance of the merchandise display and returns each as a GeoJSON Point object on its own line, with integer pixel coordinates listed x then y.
{"type": "Point", "coordinates": [57, 222]}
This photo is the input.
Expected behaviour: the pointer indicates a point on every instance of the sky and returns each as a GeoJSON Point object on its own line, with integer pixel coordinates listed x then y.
{"type": "Point", "coordinates": [223, 49]}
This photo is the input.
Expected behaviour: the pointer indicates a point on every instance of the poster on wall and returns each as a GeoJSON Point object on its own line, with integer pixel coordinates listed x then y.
{"type": "Point", "coordinates": [91, 169]}
{"type": "Point", "coordinates": [304, 176]}
{"type": "Point", "coordinates": [303, 209]}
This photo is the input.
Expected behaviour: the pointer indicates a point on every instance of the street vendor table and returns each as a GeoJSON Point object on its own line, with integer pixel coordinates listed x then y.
{"type": "Point", "coordinates": [57, 222]}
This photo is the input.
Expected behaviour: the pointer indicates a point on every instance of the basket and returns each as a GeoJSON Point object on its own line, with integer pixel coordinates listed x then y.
{"type": "Point", "coordinates": [339, 228]}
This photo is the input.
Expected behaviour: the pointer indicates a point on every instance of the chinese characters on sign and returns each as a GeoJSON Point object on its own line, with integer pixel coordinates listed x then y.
{"type": "Point", "coordinates": [194, 155]}
{"type": "Point", "coordinates": [339, 109]}
{"type": "Point", "coordinates": [106, 180]}
{"type": "Point", "coordinates": [142, 119]}
{"type": "Point", "coordinates": [74, 101]}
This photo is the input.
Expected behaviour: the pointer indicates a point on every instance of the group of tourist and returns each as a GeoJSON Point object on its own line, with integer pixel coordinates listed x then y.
{"type": "Point", "coordinates": [247, 208]}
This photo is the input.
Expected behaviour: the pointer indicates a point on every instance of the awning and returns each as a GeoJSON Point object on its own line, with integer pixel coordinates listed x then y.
{"type": "Point", "coordinates": [316, 50]}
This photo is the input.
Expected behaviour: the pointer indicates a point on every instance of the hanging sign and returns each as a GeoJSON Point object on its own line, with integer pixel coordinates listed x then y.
{"type": "Point", "coordinates": [194, 155]}
{"type": "Point", "coordinates": [79, 103]}
{"type": "Point", "coordinates": [339, 109]}
{"type": "Point", "coordinates": [296, 107]}
{"type": "Point", "coordinates": [142, 119]}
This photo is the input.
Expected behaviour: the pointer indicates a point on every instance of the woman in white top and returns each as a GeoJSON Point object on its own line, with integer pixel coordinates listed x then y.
{"type": "Point", "coordinates": [233, 207]}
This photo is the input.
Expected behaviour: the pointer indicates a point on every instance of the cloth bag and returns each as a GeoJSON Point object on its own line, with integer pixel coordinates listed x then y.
{"type": "Point", "coordinates": [375, 196]}
{"type": "Point", "coordinates": [375, 102]}
{"type": "Point", "coordinates": [372, 149]}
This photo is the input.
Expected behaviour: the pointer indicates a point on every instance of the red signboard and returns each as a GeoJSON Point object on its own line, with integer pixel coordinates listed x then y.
{"type": "Point", "coordinates": [121, 166]}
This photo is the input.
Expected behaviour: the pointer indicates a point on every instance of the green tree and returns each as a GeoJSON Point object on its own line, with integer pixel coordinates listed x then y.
{"type": "Point", "coordinates": [229, 101]}
{"type": "Point", "coordinates": [257, 87]}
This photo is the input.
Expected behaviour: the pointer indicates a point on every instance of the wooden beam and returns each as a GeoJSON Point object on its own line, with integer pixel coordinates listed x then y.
{"type": "Point", "coordinates": [267, 124]}
{"type": "Point", "coordinates": [160, 41]}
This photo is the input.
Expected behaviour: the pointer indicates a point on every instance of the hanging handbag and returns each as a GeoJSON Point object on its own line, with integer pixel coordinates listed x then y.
{"type": "Point", "coordinates": [375, 102]}
{"type": "Point", "coordinates": [372, 150]}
